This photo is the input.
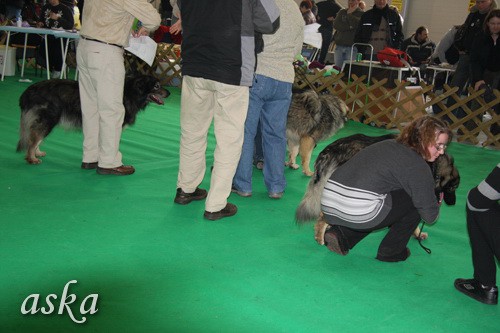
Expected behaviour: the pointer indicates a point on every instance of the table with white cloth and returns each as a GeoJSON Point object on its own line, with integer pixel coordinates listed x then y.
{"type": "Point", "coordinates": [62, 34]}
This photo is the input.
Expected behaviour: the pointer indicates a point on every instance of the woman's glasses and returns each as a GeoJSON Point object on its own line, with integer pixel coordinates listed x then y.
{"type": "Point", "coordinates": [441, 147]}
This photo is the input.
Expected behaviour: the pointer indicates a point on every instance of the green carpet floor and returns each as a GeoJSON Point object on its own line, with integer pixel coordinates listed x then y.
{"type": "Point", "coordinates": [160, 267]}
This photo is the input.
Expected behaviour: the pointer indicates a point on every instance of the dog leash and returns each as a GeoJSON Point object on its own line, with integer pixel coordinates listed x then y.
{"type": "Point", "coordinates": [426, 249]}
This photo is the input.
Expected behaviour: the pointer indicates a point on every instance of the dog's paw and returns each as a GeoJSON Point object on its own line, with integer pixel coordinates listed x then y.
{"type": "Point", "coordinates": [308, 173]}
{"type": "Point", "coordinates": [293, 166]}
{"type": "Point", "coordinates": [33, 160]}
{"type": "Point", "coordinates": [40, 153]}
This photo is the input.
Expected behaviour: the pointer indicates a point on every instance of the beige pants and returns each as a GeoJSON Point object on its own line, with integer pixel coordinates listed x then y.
{"type": "Point", "coordinates": [201, 101]}
{"type": "Point", "coordinates": [101, 80]}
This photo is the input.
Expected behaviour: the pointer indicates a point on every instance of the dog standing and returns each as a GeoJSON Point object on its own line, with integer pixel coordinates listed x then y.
{"type": "Point", "coordinates": [312, 118]}
{"type": "Point", "coordinates": [57, 102]}
{"type": "Point", "coordinates": [339, 152]}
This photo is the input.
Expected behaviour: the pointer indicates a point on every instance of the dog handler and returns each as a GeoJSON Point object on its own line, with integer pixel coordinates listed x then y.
{"type": "Point", "coordinates": [388, 184]}
{"type": "Point", "coordinates": [105, 31]}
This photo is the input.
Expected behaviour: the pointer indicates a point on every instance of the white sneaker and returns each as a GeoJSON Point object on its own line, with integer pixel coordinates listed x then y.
{"type": "Point", "coordinates": [55, 74]}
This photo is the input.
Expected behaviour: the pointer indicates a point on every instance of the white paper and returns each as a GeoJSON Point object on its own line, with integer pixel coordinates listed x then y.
{"type": "Point", "coordinates": [143, 47]}
{"type": "Point", "coordinates": [312, 36]}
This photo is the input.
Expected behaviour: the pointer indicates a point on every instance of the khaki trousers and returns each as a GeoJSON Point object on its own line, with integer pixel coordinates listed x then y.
{"type": "Point", "coordinates": [201, 101]}
{"type": "Point", "coordinates": [101, 81]}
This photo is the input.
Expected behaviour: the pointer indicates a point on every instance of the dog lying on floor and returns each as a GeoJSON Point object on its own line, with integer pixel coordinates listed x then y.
{"type": "Point", "coordinates": [57, 102]}
{"type": "Point", "coordinates": [311, 118]}
{"type": "Point", "coordinates": [340, 151]}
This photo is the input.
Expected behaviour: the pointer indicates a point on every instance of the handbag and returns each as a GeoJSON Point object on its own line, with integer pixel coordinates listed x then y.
{"type": "Point", "coordinates": [392, 57]}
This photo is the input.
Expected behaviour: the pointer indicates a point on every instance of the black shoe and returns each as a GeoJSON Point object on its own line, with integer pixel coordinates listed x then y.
{"type": "Point", "coordinates": [183, 198]}
{"type": "Point", "coordinates": [401, 256]}
{"type": "Point", "coordinates": [474, 289]}
{"type": "Point", "coordinates": [335, 241]}
{"type": "Point", "coordinates": [227, 211]}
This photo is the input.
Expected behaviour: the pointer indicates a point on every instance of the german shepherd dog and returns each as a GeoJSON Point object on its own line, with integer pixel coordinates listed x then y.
{"type": "Point", "coordinates": [340, 151]}
{"type": "Point", "coordinates": [57, 102]}
{"type": "Point", "coordinates": [312, 118]}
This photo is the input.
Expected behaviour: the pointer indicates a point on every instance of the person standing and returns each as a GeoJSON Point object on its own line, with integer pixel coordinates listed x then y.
{"type": "Point", "coordinates": [345, 25]}
{"type": "Point", "coordinates": [465, 36]}
{"type": "Point", "coordinates": [270, 97]}
{"type": "Point", "coordinates": [106, 28]}
{"type": "Point", "coordinates": [485, 61]}
{"type": "Point", "coordinates": [327, 11]}
{"type": "Point", "coordinates": [380, 26]}
{"type": "Point", "coordinates": [483, 225]}
{"type": "Point", "coordinates": [218, 63]}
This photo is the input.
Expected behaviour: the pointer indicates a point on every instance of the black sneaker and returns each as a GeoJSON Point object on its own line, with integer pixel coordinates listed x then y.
{"type": "Point", "coordinates": [227, 211]}
{"type": "Point", "coordinates": [474, 289]}
{"type": "Point", "coordinates": [401, 256]}
{"type": "Point", "coordinates": [335, 241]}
{"type": "Point", "coordinates": [183, 198]}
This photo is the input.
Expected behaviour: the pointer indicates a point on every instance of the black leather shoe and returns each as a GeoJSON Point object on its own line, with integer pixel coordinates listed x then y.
{"type": "Point", "coordinates": [123, 170]}
{"type": "Point", "coordinates": [183, 198]}
{"type": "Point", "coordinates": [335, 241]}
{"type": "Point", "coordinates": [227, 211]}
{"type": "Point", "coordinates": [89, 166]}
{"type": "Point", "coordinates": [401, 256]}
{"type": "Point", "coordinates": [474, 289]}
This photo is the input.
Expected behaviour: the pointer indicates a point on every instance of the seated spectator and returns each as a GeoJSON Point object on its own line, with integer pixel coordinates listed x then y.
{"type": "Point", "coordinates": [362, 5]}
{"type": "Point", "coordinates": [307, 14]}
{"type": "Point", "coordinates": [419, 47]}
{"type": "Point", "coordinates": [55, 15]}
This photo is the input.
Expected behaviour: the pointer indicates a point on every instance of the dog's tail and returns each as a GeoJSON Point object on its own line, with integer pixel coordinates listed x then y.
{"type": "Point", "coordinates": [309, 208]}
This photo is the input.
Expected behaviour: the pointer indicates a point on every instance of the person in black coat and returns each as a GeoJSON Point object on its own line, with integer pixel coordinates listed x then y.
{"type": "Point", "coordinates": [380, 26]}
{"type": "Point", "coordinates": [327, 11]}
{"type": "Point", "coordinates": [485, 64]}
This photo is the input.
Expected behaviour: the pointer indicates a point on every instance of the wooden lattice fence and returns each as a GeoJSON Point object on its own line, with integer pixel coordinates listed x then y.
{"type": "Point", "coordinates": [166, 66]}
{"type": "Point", "coordinates": [377, 105]}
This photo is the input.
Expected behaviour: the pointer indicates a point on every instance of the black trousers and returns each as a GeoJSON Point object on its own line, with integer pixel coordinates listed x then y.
{"type": "Point", "coordinates": [484, 234]}
{"type": "Point", "coordinates": [326, 35]}
{"type": "Point", "coordinates": [401, 220]}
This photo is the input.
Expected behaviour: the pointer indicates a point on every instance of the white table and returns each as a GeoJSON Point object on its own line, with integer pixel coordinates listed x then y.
{"type": "Point", "coordinates": [376, 64]}
{"type": "Point", "coordinates": [69, 36]}
{"type": "Point", "coordinates": [439, 69]}
{"type": "Point", "coordinates": [39, 31]}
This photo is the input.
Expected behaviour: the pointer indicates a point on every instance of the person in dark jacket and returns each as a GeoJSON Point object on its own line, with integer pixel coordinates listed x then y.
{"type": "Point", "coordinates": [388, 184]}
{"type": "Point", "coordinates": [465, 36]}
{"type": "Point", "coordinates": [380, 26]}
{"type": "Point", "coordinates": [55, 15]}
{"type": "Point", "coordinates": [484, 59]}
{"type": "Point", "coordinates": [13, 9]}
{"type": "Point", "coordinates": [483, 225]}
{"type": "Point", "coordinates": [419, 47]}
{"type": "Point", "coordinates": [218, 63]}
{"type": "Point", "coordinates": [327, 11]}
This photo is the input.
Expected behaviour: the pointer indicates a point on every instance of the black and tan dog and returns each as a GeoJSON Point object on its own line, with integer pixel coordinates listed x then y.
{"type": "Point", "coordinates": [312, 118]}
{"type": "Point", "coordinates": [339, 152]}
{"type": "Point", "coordinates": [49, 103]}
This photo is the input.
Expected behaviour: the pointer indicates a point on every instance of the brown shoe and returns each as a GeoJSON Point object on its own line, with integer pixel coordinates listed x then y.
{"type": "Point", "coordinates": [227, 211]}
{"type": "Point", "coordinates": [183, 198]}
{"type": "Point", "coordinates": [123, 170]}
{"type": "Point", "coordinates": [89, 165]}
